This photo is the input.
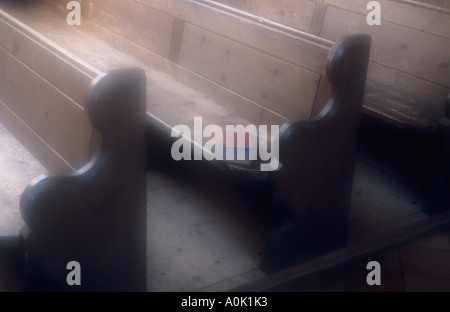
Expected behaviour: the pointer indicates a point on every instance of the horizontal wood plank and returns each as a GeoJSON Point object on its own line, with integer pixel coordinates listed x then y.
{"type": "Point", "coordinates": [289, 44]}
{"type": "Point", "coordinates": [415, 52]}
{"type": "Point", "coordinates": [407, 83]}
{"type": "Point", "coordinates": [400, 108]}
{"type": "Point", "coordinates": [41, 58]}
{"type": "Point", "coordinates": [252, 35]}
{"type": "Point", "coordinates": [61, 3]}
{"type": "Point", "coordinates": [401, 13]}
{"type": "Point", "coordinates": [41, 151]}
{"type": "Point", "coordinates": [53, 116]}
{"type": "Point", "coordinates": [275, 84]}
{"type": "Point", "coordinates": [165, 93]}
{"type": "Point", "coordinates": [297, 14]}
{"type": "Point", "coordinates": [141, 24]}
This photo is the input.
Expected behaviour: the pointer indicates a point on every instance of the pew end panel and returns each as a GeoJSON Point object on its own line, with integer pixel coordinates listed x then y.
{"type": "Point", "coordinates": [315, 181]}
{"type": "Point", "coordinates": [97, 215]}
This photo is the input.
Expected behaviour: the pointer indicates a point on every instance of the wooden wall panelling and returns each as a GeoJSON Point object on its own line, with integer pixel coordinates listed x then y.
{"type": "Point", "coordinates": [407, 83]}
{"type": "Point", "coordinates": [60, 3]}
{"type": "Point", "coordinates": [162, 66]}
{"type": "Point", "coordinates": [51, 114]}
{"type": "Point", "coordinates": [281, 42]}
{"type": "Point", "coordinates": [267, 80]}
{"type": "Point", "coordinates": [62, 6]}
{"type": "Point", "coordinates": [142, 24]}
{"type": "Point", "coordinates": [293, 13]}
{"type": "Point", "coordinates": [207, 15]}
{"type": "Point", "coordinates": [431, 2]}
{"type": "Point", "coordinates": [411, 61]}
{"type": "Point", "coordinates": [419, 18]}
{"type": "Point", "coordinates": [423, 19]}
{"type": "Point", "coordinates": [395, 11]}
{"type": "Point", "coordinates": [232, 27]}
{"type": "Point", "coordinates": [439, 5]}
{"type": "Point", "coordinates": [415, 52]}
{"type": "Point", "coordinates": [49, 64]}
{"type": "Point", "coordinates": [76, 41]}
{"type": "Point", "coordinates": [46, 155]}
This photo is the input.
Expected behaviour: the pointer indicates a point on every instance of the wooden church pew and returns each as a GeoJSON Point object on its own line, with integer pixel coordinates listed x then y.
{"type": "Point", "coordinates": [310, 87]}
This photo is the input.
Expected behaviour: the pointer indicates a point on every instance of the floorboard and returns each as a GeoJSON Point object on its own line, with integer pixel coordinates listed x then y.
{"type": "Point", "coordinates": [206, 233]}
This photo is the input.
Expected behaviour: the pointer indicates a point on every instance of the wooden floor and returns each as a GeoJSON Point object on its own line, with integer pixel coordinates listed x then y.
{"type": "Point", "coordinates": [206, 233]}
{"type": "Point", "coordinates": [17, 169]}
{"type": "Point", "coordinates": [201, 242]}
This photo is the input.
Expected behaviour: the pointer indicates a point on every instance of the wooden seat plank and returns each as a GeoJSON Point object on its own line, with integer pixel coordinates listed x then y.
{"type": "Point", "coordinates": [400, 108]}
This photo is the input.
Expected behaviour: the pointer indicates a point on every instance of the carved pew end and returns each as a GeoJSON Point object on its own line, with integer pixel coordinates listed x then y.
{"type": "Point", "coordinates": [92, 223]}
{"type": "Point", "coordinates": [318, 159]}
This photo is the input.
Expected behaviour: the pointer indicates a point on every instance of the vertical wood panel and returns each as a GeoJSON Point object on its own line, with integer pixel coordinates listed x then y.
{"type": "Point", "coordinates": [177, 37]}
{"type": "Point", "coordinates": [317, 19]}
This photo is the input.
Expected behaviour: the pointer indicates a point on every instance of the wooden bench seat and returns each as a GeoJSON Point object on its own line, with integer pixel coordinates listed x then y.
{"type": "Point", "coordinates": [311, 90]}
{"type": "Point", "coordinates": [401, 109]}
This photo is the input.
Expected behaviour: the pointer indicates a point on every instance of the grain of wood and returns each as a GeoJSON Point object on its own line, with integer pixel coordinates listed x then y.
{"type": "Point", "coordinates": [45, 154]}
{"type": "Point", "coordinates": [47, 111]}
{"type": "Point", "coordinates": [142, 24]}
{"type": "Point", "coordinates": [273, 83]}
{"type": "Point", "coordinates": [297, 14]}
{"type": "Point", "coordinates": [417, 53]}
{"type": "Point", "coordinates": [414, 17]}
{"type": "Point", "coordinates": [279, 42]}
